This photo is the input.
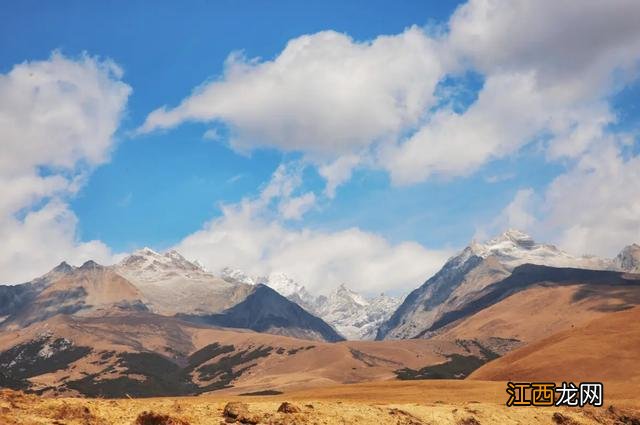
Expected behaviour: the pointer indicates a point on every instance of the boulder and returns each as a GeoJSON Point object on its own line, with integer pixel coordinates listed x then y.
{"type": "Point", "coordinates": [287, 407]}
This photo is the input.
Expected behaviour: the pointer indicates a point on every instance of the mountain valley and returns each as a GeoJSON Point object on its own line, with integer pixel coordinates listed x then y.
{"type": "Point", "coordinates": [160, 325]}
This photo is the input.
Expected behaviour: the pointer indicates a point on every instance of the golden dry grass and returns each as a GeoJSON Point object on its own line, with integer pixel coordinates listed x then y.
{"type": "Point", "coordinates": [607, 348]}
{"type": "Point", "coordinates": [381, 403]}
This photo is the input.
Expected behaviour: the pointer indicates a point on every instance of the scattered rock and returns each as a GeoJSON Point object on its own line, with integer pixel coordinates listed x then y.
{"type": "Point", "coordinates": [152, 418]}
{"type": "Point", "coordinates": [628, 420]}
{"type": "Point", "coordinates": [404, 417]}
{"type": "Point", "coordinates": [623, 417]}
{"type": "Point", "coordinates": [15, 397]}
{"type": "Point", "coordinates": [561, 419]}
{"type": "Point", "coordinates": [235, 411]}
{"type": "Point", "coordinates": [287, 407]}
{"type": "Point", "coordinates": [469, 421]}
{"type": "Point", "coordinates": [66, 411]}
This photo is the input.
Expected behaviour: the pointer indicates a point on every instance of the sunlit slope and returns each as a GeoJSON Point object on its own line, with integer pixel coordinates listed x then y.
{"type": "Point", "coordinates": [605, 349]}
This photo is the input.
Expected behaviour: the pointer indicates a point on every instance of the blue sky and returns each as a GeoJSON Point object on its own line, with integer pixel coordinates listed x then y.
{"type": "Point", "coordinates": [166, 52]}
{"type": "Point", "coordinates": [500, 129]}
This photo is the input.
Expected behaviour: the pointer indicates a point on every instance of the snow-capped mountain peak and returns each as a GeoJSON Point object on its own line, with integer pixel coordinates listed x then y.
{"type": "Point", "coordinates": [278, 281]}
{"type": "Point", "coordinates": [351, 314]}
{"type": "Point", "coordinates": [148, 265]}
{"type": "Point", "coordinates": [172, 284]}
{"type": "Point", "coordinates": [200, 265]}
{"type": "Point", "coordinates": [629, 258]}
{"type": "Point", "coordinates": [513, 236]}
{"type": "Point", "coordinates": [293, 290]}
{"type": "Point", "coordinates": [514, 248]}
{"type": "Point", "coordinates": [284, 284]}
{"type": "Point", "coordinates": [146, 253]}
{"type": "Point", "coordinates": [342, 294]}
{"type": "Point", "coordinates": [512, 243]}
{"type": "Point", "coordinates": [233, 275]}
{"type": "Point", "coordinates": [465, 276]}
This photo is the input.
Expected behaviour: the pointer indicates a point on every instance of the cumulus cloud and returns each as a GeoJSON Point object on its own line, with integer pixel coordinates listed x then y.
{"type": "Point", "coordinates": [337, 172]}
{"type": "Point", "coordinates": [595, 206]}
{"type": "Point", "coordinates": [281, 193]}
{"type": "Point", "coordinates": [57, 121]}
{"type": "Point", "coordinates": [521, 213]}
{"type": "Point", "coordinates": [247, 236]}
{"type": "Point", "coordinates": [295, 208]}
{"type": "Point", "coordinates": [509, 112]}
{"type": "Point", "coordinates": [573, 47]}
{"type": "Point", "coordinates": [324, 93]}
{"type": "Point", "coordinates": [548, 67]}
{"type": "Point", "coordinates": [43, 238]}
{"type": "Point", "coordinates": [549, 70]}
{"type": "Point", "coordinates": [592, 208]}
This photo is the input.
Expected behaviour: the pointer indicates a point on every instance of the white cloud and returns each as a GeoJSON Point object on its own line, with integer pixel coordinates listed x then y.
{"type": "Point", "coordinates": [578, 56]}
{"type": "Point", "coordinates": [59, 113]}
{"type": "Point", "coordinates": [595, 207]}
{"type": "Point", "coordinates": [521, 213]}
{"type": "Point", "coordinates": [212, 134]}
{"type": "Point", "coordinates": [235, 178]}
{"type": "Point", "coordinates": [509, 112]}
{"type": "Point", "coordinates": [295, 208]}
{"type": "Point", "coordinates": [321, 260]}
{"type": "Point", "coordinates": [57, 121]}
{"type": "Point", "coordinates": [324, 93]}
{"type": "Point", "coordinates": [497, 178]}
{"type": "Point", "coordinates": [549, 68]}
{"type": "Point", "coordinates": [43, 238]}
{"type": "Point", "coordinates": [338, 172]}
{"type": "Point", "coordinates": [573, 47]}
{"type": "Point", "coordinates": [249, 237]}
{"type": "Point", "coordinates": [546, 74]}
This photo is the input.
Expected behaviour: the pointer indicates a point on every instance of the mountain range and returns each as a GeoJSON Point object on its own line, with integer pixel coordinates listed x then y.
{"type": "Point", "coordinates": [158, 324]}
{"type": "Point", "coordinates": [353, 315]}
{"type": "Point", "coordinates": [477, 270]}
{"type": "Point", "coordinates": [163, 284]}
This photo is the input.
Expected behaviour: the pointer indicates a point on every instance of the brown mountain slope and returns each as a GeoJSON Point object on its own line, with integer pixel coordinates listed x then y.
{"type": "Point", "coordinates": [90, 288]}
{"type": "Point", "coordinates": [79, 290]}
{"type": "Point", "coordinates": [605, 349]}
{"type": "Point", "coordinates": [537, 312]}
{"type": "Point", "coordinates": [143, 354]}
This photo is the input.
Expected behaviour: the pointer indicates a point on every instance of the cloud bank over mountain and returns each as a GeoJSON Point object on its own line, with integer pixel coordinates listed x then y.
{"type": "Point", "coordinates": [252, 235]}
{"type": "Point", "coordinates": [495, 81]}
{"type": "Point", "coordinates": [548, 72]}
{"type": "Point", "coordinates": [58, 118]}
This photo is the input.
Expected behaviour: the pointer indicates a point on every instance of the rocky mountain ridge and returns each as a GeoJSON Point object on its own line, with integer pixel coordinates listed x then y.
{"type": "Point", "coordinates": [163, 284]}
{"type": "Point", "coordinates": [466, 275]}
{"type": "Point", "coordinates": [353, 315]}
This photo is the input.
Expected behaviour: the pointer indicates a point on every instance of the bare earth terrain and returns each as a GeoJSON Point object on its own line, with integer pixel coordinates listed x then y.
{"type": "Point", "coordinates": [605, 349]}
{"type": "Point", "coordinates": [138, 367]}
{"type": "Point", "coordinates": [393, 402]}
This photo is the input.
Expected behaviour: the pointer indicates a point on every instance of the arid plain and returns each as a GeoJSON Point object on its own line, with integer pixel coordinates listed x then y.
{"type": "Point", "coordinates": [388, 402]}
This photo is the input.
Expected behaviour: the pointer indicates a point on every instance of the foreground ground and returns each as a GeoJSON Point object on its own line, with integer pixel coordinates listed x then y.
{"type": "Point", "coordinates": [392, 402]}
